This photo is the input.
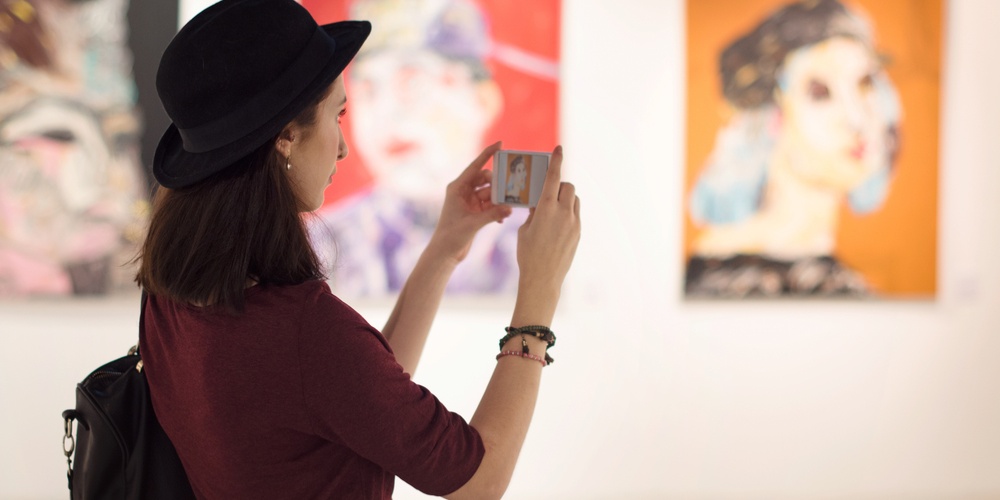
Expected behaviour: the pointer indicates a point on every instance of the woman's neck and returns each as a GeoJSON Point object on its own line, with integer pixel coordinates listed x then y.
{"type": "Point", "coordinates": [796, 218]}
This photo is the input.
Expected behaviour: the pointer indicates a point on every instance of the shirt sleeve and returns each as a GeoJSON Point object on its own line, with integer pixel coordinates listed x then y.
{"type": "Point", "coordinates": [361, 396]}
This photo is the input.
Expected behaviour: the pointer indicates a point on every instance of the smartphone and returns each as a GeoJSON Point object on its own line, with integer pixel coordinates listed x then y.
{"type": "Point", "coordinates": [518, 177]}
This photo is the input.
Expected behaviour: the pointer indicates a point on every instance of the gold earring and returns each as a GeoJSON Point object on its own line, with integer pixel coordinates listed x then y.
{"type": "Point", "coordinates": [288, 162]}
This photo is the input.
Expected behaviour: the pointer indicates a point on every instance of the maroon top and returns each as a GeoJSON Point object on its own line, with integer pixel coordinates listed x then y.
{"type": "Point", "coordinates": [298, 397]}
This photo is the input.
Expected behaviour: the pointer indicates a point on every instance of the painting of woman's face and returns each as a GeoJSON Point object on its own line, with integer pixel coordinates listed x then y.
{"type": "Point", "coordinates": [416, 116]}
{"type": "Point", "coordinates": [68, 188]}
{"type": "Point", "coordinates": [831, 117]}
{"type": "Point", "coordinates": [519, 174]}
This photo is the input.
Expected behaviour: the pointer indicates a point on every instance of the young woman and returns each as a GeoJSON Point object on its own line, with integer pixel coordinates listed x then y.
{"type": "Point", "coordinates": [268, 385]}
{"type": "Point", "coordinates": [815, 126]}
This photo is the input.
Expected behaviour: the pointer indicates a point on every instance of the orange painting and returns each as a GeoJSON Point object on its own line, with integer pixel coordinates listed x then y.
{"type": "Point", "coordinates": [812, 148]}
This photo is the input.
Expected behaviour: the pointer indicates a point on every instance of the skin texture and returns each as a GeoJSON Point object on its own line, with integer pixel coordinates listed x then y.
{"type": "Point", "coordinates": [313, 152]}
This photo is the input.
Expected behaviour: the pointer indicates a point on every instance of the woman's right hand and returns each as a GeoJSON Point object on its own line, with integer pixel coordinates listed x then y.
{"type": "Point", "coordinates": [547, 243]}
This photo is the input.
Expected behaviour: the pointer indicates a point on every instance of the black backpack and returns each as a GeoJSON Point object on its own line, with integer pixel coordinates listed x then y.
{"type": "Point", "coordinates": [121, 452]}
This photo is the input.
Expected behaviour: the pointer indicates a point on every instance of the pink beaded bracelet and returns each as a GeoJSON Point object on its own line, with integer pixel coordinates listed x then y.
{"type": "Point", "coordinates": [523, 355]}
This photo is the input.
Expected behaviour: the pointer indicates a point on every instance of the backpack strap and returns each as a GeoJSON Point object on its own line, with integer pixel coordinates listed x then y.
{"type": "Point", "coordinates": [142, 328]}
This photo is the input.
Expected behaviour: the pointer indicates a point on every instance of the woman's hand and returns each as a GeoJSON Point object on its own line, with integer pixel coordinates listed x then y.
{"type": "Point", "coordinates": [467, 208]}
{"type": "Point", "coordinates": [546, 245]}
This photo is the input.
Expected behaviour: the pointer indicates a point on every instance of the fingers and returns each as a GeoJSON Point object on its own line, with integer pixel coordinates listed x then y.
{"type": "Point", "coordinates": [550, 190]}
{"type": "Point", "coordinates": [499, 213]}
{"type": "Point", "coordinates": [567, 193]}
{"type": "Point", "coordinates": [576, 207]}
{"type": "Point", "coordinates": [531, 215]}
{"type": "Point", "coordinates": [473, 170]}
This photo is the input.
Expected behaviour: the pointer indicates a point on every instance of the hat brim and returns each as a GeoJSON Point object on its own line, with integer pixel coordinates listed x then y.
{"type": "Point", "coordinates": [174, 167]}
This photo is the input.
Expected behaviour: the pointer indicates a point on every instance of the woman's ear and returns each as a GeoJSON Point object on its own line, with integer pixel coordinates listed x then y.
{"type": "Point", "coordinates": [285, 140]}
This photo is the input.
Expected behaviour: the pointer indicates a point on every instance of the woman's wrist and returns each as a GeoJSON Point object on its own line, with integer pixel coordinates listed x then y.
{"type": "Point", "coordinates": [438, 251]}
{"type": "Point", "coordinates": [535, 304]}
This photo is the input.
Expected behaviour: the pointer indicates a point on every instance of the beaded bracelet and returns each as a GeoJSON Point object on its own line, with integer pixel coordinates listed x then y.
{"type": "Point", "coordinates": [541, 332]}
{"type": "Point", "coordinates": [549, 337]}
{"type": "Point", "coordinates": [523, 355]}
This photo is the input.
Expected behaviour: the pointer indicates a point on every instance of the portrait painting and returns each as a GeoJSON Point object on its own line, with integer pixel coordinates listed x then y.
{"type": "Point", "coordinates": [436, 82]}
{"type": "Point", "coordinates": [518, 175]}
{"type": "Point", "coordinates": [812, 148]}
{"type": "Point", "coordinates": [71, 202]}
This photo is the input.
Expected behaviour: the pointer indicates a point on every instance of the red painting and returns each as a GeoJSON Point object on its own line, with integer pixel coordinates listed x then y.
{"type": "Point", "coordinates": [436, 82]}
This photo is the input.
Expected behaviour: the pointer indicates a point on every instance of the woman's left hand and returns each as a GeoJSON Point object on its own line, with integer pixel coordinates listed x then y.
{"type": "Point", "coordinates": [467, 208]}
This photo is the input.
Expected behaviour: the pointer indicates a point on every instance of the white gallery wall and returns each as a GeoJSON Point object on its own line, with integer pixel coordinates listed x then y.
{"type": "Point", "coordinates": [652, 397]}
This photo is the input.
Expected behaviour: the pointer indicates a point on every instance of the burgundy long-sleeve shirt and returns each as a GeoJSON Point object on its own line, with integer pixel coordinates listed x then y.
{"type": "Point", "coordinates": [298, 397]}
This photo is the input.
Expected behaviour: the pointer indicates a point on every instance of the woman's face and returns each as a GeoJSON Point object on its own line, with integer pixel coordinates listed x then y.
{"type": "Point", "coordinates": [519, 171]}
{"type": "Point", "coordinates": [316, 151]}
{"type": "Point", "coordinates": [417, 118]}
{"type": "Point", "coordinates": [833, 125]}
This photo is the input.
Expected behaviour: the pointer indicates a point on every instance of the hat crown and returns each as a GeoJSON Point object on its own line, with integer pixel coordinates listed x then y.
{"type": "Point", "coordinates": [229, 54]}
{"type": "Point", "coordinates": [236, 74]}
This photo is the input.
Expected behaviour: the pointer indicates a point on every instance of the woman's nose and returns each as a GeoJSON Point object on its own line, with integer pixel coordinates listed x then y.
{"type": "Point", "coordinates": [855, 113]}
{"type": "Point", "coordinates": [342, 149]}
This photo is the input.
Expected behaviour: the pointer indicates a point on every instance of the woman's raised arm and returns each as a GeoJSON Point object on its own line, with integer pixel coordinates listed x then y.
{"type": "Point", "coordinates": [546, 246]}
{"type": "Point", "coordinates": [467, 208]}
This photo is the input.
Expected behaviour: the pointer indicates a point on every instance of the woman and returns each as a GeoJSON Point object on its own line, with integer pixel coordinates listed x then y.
{"type": "Point", "coordinates": [268, 385]}
{"type": "Point", "coordinates": [815, 125]}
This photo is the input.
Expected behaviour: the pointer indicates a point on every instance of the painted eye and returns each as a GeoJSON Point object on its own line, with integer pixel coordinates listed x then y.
{"type": "Point", "coordinates": [340, 116]}
{"type": "Point", "coordinates": [867, 83]}
{"type": "Point", "coordinates": [59, 135]}
{"type": "Point", "coordinates": [818, 91]}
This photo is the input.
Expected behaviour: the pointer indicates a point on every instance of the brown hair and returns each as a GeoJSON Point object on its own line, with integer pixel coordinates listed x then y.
{"type": "Point", "coordinates": [751, 64]}
{"type": "Point", "coordinates": [207, 240]}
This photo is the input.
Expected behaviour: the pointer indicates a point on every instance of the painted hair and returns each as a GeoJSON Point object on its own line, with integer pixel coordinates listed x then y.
{"type": "Point", "coordinates": [513, 163]}
{"type": "Point", "coordinates": [731, 184]}
{"type": "Point", "coordinates": [457, 30]}
{"type": "Point", "coordinates": [751, 65]}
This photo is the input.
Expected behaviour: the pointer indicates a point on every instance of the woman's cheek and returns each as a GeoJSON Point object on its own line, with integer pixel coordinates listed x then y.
{"type": "Point", "coordinates": [819, 130]}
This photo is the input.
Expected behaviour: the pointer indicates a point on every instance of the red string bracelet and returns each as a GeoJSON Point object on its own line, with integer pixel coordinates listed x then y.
{"type": "Point", "coordinates": [523, 355]}
{"type": "Point", "coordinates": [539, 331]}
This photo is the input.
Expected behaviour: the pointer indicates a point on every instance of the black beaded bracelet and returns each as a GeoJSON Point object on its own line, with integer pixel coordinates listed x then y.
{"type": "Point", "coordinates": [541, 332]}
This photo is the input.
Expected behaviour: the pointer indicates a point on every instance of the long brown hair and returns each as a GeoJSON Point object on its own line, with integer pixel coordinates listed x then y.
{"type": "Point", "coordinates": [207, 241]}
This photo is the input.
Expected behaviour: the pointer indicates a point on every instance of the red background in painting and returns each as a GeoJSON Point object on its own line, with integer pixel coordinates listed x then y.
{"type": "Point", "coordinates": [529, 120]}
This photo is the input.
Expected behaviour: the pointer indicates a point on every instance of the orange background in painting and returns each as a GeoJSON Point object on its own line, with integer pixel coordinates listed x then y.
{"type": "Point", "coordinates": [895, 247]}
{"type": "Point", "coordinates": [529, 119]}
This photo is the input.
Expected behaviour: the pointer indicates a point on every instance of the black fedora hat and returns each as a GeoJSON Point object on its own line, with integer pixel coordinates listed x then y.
{"type": "Point", "coordinates": [236, 74]}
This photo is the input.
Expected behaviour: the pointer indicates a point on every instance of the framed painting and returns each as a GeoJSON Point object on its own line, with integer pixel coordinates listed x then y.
{"type": "Point", "coordinates": [812, 148]}
{"type": "Point", "coordinates": [436, 81]}
{"type": "Point", "coordinates": [72, 204]}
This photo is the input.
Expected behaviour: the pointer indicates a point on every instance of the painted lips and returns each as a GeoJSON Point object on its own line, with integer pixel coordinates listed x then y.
{"type": "Point", "coordinates": [858, 151]}
{"type": "Point", "coordinates": [399, 148]}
